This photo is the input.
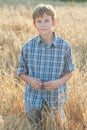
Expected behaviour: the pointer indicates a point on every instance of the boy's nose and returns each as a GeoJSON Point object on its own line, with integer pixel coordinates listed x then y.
{"type": "Point", "coordinates": [43, 24]}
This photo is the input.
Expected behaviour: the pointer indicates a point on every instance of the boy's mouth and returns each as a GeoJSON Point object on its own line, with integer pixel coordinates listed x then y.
{"type": "Point", "coordinates": [43, 29]}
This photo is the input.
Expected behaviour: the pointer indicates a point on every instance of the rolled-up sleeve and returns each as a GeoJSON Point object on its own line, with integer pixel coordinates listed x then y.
{"type": "Point", "coordinates": [22, 67]}
{"type": "Point", "coordinates": [68, 65]}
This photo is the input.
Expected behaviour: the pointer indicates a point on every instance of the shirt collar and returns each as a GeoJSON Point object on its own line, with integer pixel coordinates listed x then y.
{"type": "Point", "coordinates": [39, 40]}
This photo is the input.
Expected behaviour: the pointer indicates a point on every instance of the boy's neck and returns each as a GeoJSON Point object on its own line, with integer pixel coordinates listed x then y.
{"type": "Point", "coordinates": [48, 39]}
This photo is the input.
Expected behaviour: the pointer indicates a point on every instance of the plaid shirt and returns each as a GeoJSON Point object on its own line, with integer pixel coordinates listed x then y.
{"type": "Point", "coordinates": [46, 62]}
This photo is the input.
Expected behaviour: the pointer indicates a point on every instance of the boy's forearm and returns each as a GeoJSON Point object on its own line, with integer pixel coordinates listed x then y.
{"type": "Point", "coordinates": [35, 83]}
{"type": "Point", "coordinates": [25, 78]}
{"type": "Point", "coordinates": [49, 85]}
{"type": "Point", "coordinates": [64, 78]}
{"type": "Point", "coordinates": [53, 84]}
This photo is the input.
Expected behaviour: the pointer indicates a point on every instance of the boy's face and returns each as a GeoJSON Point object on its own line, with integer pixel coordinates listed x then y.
{"type": "Point", "coordinates": [44, 24]}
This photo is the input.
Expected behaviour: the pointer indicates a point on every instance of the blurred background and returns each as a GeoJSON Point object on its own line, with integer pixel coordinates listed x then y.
{"type": "Point", "coordinates": [35, 2]}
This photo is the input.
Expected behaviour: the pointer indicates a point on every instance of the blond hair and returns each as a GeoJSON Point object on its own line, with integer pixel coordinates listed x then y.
{"type": "Point", "coordinates": [40, 9]}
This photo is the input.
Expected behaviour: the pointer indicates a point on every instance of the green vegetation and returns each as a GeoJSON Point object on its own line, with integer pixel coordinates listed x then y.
{"type": "Point", "coordinates": [74, 0]}
{"type": "Point", "coordinates": [33, 3]}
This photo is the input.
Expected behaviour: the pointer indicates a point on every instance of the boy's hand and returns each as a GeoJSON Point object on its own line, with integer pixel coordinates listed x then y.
{"type": "Point", "coordinates": [51, 85]}
{"type": "Point", "coordinates": [35, 83]}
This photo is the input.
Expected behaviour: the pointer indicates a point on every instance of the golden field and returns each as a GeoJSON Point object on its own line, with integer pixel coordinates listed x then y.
{"type": "Point", "coordinates": [16, 28]}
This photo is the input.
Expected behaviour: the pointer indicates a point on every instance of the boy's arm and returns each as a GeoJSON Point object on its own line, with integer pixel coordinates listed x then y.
{"type": "Point", "coordinates": [53, 84]}
{"type": "Point", "coordinates": [23, 70]}
{"type": "Point", "coordinates": [35, 83]}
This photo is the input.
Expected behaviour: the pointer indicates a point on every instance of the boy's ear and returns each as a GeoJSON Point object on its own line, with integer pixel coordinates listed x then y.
{"type": "Point", "coordinates": [54, 22]}
{"type": "Point", "coordinates": [33, 23]}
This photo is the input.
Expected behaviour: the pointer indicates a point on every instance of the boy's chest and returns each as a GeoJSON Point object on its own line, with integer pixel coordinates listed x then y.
{"type": "Point", "coordinates": [43, 56]}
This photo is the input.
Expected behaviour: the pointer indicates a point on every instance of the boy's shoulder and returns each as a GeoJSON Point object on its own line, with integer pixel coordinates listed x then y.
{"type": "Point", "coordinates": [62, 42]}
{"type": "Point", "coordinates": [59, 41]}
{"type": "Point", "coordinates": [31, 42]}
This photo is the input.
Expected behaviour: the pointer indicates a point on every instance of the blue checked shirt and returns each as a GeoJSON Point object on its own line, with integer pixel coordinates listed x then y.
{"type": "Point", "coordinates": [46, 62]}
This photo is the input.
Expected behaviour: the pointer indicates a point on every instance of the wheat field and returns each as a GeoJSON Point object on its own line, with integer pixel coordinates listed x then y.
{"type": "Point", "coordinates": [15, 29]}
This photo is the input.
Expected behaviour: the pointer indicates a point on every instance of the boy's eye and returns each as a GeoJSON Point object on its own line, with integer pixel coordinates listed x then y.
{"type": "Point", "coordinates": [46, 20]}
{"type": "Point", "coordinates": [39, 21]}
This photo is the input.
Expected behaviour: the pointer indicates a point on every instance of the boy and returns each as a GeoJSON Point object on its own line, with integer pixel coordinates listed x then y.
{"type": "Point", "coordinates": [45, 65]}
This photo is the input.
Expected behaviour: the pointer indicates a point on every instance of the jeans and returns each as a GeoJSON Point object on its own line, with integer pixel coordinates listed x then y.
{"type": "Point", "coordinates": [37, 117]}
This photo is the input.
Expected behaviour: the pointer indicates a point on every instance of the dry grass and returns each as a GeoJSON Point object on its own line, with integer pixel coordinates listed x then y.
{"type": "Point", "coordinates": [15, 29]}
